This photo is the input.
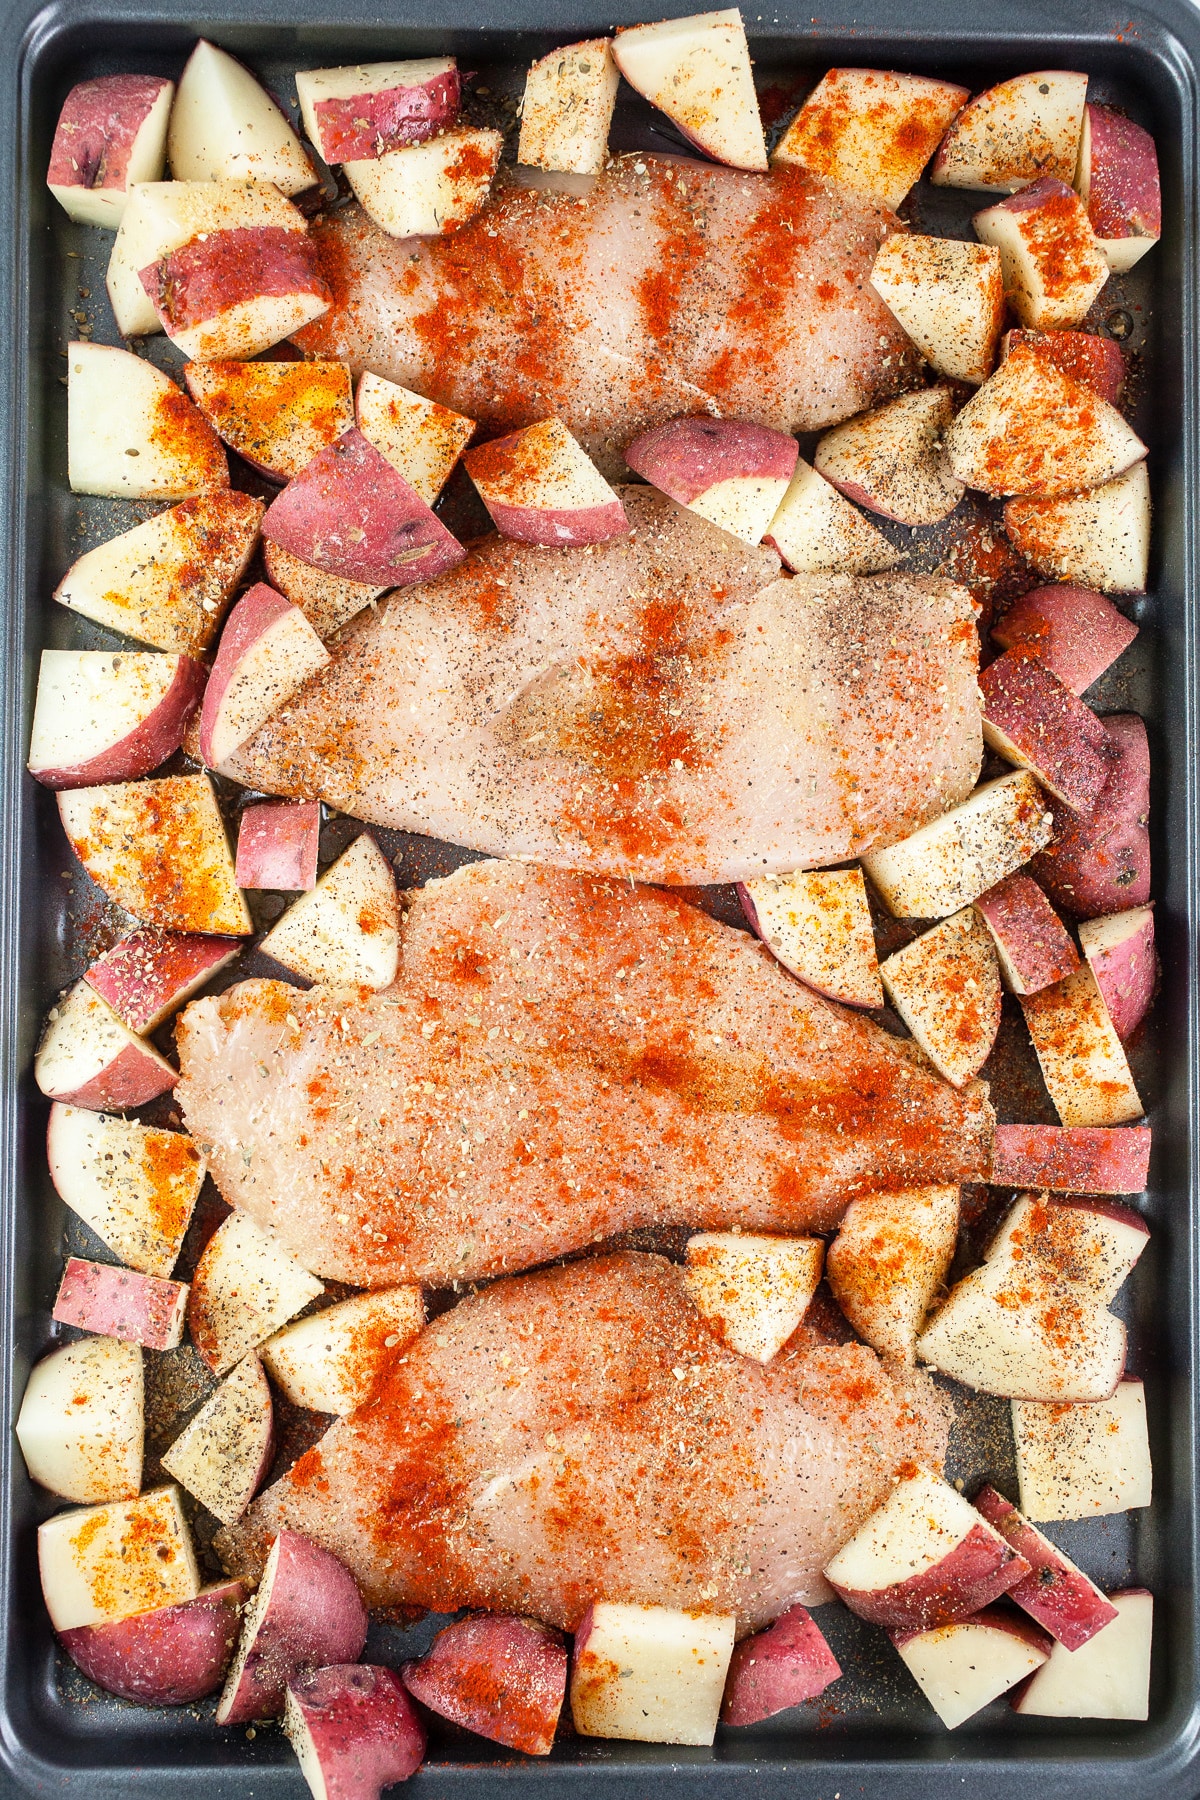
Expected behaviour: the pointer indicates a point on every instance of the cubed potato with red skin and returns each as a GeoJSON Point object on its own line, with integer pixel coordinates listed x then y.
{"type": "Point", "coordinates": [1078, 1159]}
{"type": "Point", "coordinates": [818, 923]}
{"type": "Point", "coordinates": [237, 292]}
{"type": "Point", "coordinates": [891, 460]}
{"type": "Point", "coordinates": [226, 127]}
{"type": "Point", "coordinates": [948, 296]}
{"type": "Point", "coordinates": [88, 1057]}
{"type": "Point", "coordinates": [1120, 950]}
{"type": "Point", "coordinates": [111, 132]}
{"type": "Point", "coordinates": [504, 1678]}
{"type": "Point", "coordinates": [351, 513]}
{"type": "Point", "coordinates": [419, 438]}
{"type": "Point", "coordinates": [1032, 943]}
{"type": "Point", "coordinates": [871, 130]}
{"type": "Point", "coordinates": [109, 716]}
{"type": "Point", "coordinates": [131, 434]}
{"type": "Point", "coordinates": [171, 1656]}
{"type": "Point", "coordinates": [149, 975]}
{"type": "Point", "coordinates": [1076, 632]}
{"type": "Point", "coordinates": [354, 1730]}
{"type": "Point", "coordinates": [268, 649]}
{"type": "Point", "coordinates": [135, 1187]}
{"type": "Point", "coordinates": [753, 1290]}
{"type": "Point", "coordinates": [307, 1612]}
{"type": "Point", "coordinates": [346, 931]}
{"type": "Point", "coordinates": [652, 1673]}
{"type": "Point", "coordinates": [945, 985]}
{"type": "Point", "coordinates": [783, 1666]}
{"type": "Point", "coordinates": [1118, 182]}
{"type": "Point", "coordinates": [356, 112]}
{"type": "Point", "coordinates": [1053, 266]}
{"type": "Point", "coordinates": [428, 189]}
{"type": "Point", "coordinates": [102, 1563]}
{"type": "Point", "coordinates": [120, 1303]}
{"type": "Point", "coordinates": [332, 1361]}
{"type": "Point", "coordinates": [1108, 1678]}
{"type": "Point", "coordinates": [168, 581]}
{"type": "Point", "coordinates": [889, 1261]}
{"type": "Point", "coordinates": [245, 1287]}
{"type": "Point", "coordinates": [923, 1558]}
{"type": "Point", "coordinates": [1099, 538]}
{"type": "Point", "coordinates": [697, 71]}
{"type": "Point", "coordinates": [1014, 133]}
{"type": "Point", "coordinates": [82, 1420]}
{"type": "Point", "coordinates": [816, 529]}
{"type": "Point", "coordinates": [223, 1453]}
{"type": "Point", "coordinates": [1101, 864]}
{"type": "Point", "coordinates": [568, 108]}
{"type": "Point", "coordinates": [1031, 719]}
{"type": "Point", "coordinates": [948, 863]}
{"type": "Point", "coordinates": [327, 601]}
{"type": "Point", "coordinates": [1095, 361]}
{"type": "Point", "coordinates": [730, 471]}
{"type": "Point", "coordinates": [1084, 1462]}
{"type": "Point", "coordinates": [541, 487]}
{"type": "Point", "coordinates": [1056, 1593]}
{"type": "Point", "coordinates": [277, 845]}
{"type": "Point", "coordinates": [961, 1667]}
{"type": "Point", "coordinates": [276, 415]}
{"type": "Point", "coordinates": [1082, 1061]}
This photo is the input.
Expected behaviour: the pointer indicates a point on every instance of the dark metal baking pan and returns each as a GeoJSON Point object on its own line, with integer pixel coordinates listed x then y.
{"type": "Point", "coordinates": [57, 1736]}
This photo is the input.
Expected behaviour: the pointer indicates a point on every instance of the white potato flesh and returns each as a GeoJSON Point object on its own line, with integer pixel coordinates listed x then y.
{"type": "Point", "coordinates": [1014, 132]}
{"type": "Point", "coordinates": [1098, 539]}
{"type": "Point", "coordinates": [922, 1520]}
{"type": "Point", "coordinates": [697, 71]}
{"type": "Point", "coordinates": [753, 1290]}
{"type": "Point", "coordinates": [1082, 1059]}
{"type": "Point", "coordinates": [650, 1673]}
{"type": "Point", "coordinates": [889, 1260]}
{"type": "Point", "coordinates": [221, 1455]}
{"type": "Point", "coordinates": [568, 107]}
{"type": "Point", "coordinates": [226, 127]}
{"type": "Point", "coordinates": [244, 1289]}
{"type": "Point", "coordinates": [948, 296]}
{"type": "Point", "coordinates": [131, 434]}
{"type": "Point", "coordinates": [82, 1420]}
{"type": "Point", "coordinates": [100, 1563]}
{"type": "Point", "coordinates": [946, 987]}
{"type": "Point", "coordinates": [818, 923]}
{"type": "Point", "coordinates": [1106, 1678]}
{"type": "Point", "coordinates": [420, 439]}
{"type": "Point", "coordinates": [333, 1361]}
{"type": "Point", "coordinates": [817, 531]}
{"type": "Point", "coordinates": [347, 929]}
{"type": "Point", "coordinates": [426, 190]}
{"type": "Point", "coordinates": [1084, 1462]}
{"type": "Point", "coordinates": [963, 1667]}
{"type": "Point", "coordinates": [951, 861]}
{"type": "Point", "coordinates": [136, 1187]}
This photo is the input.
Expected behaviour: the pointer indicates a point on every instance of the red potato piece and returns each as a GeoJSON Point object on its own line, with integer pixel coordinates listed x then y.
{"type": "Point", "coordinates": [1033, 431]}
{"type": "Point", "coordinates": [1080, 1159]}
{"type": "Point", "coordinates": [420, 439]}
{"type": "Point", "coordinates": [111, 132]}
{"type": "Point", "coordinates": [333, 1361]}
{"type": "Point", "coordinates": [87, 1056]}
{"type": "Point", "coordinates": [245, 1287]}
{"type": "Point", "coordinates": [119, 1303]}
{"type": "Point", "coordinates": [1095, 361]}
{"type": "Point", "coordinates": [1118, 183]}
{"type": "Point", "coordinates": [651, 1673]}
{"type": "Point", "coordinates": [948, 863]}
{"type": "Point", "coordinates": [351, 513]}
{"type": "Point", "coordinates": [697, 71]}
{"type": "Point", "coordinates": [172, 1656]}
{"type": "Point", "coordinates": [1120, 951]}
{"type": "Point", "coordinates": [816, 529]}
{"type": "Point", "coordinates": [945, 985]}
{"type": "Point", "coordinates": [1076, 632]}
{"type": "Point", "coordinates": [1102, 864]}
{"type": "Point", "coordinates": [568, 108]}
{"type": "Point", "coordinates": [504, 1678]}
{"type": "Point", "coordinates": [307, 1612]}
{"type": "Point", "coordinates": [158, 848]}
{"type": "Point", "coordinates": [99, 1564]}
{"type": "Point", "coordinates": [430, 189]}
{"type": "Point", "coordinates": [1053, 266]}
{"type": "Point", "coordinates": [1081, 1058]}
{"type": "Point", "coordinates": [923, 1558]}
{"type": "Point", "coordinates": [354, 1730]}
{"type": "Point", "coordinates": [226, 127]}
{"type": "Point", "coordinates": [752, 1290]}
{"type": "Point", "coordinates": [1015, 132]}
{"type": "Point", "coordinates": [1084, 1462]}
{"type": "Point", "coordinates": [1031, 719]}
{"type": "Point", "coordinates": [733, 473]}
{"type": "Point", "coordinates": [223, 1455]}
{"type": "Point", "coordinates": [327, 601]}
{"type": "Point", "coordinates": [1108, 1678]}
{"type": "Point", "coordinates": [778, 1668]}
{"type": "Point", "coordinates": [131, 434]}
{"type": "Point", "coordinates": [82, 1420]}
{"type": "Point", "coordinates": [871, 130]}
{"type": "Point", "coordinates": [948, 296]}
{"type": "Point", "coordinates": [818, 924]}
{"type": "Point", "coordinates": [889, 1261]}
{"type": "Point", "coordinates": [347, 930]}
{"type": "Point", "coordinates": [268, 649]}
{"type": "Point", "coordinates": [366, 109]}
{"type": "Point", "coordinates": [136, 1187]}
{"type": "Point", "coordinates": [962, 1667]}
{"type": "Point", "coordinates": [892, 461]}
{"type": "Point", "coordinates": [109, 716]}
{"type": "Point", "coordinates": [237, 292]}
{"type": "Point", "coordinates": [150, 974]}
{"type": "Point", "coordinates": [541, 487]}
{"type": "Point", "coordinates": [1056, 1593]}
{"type": "Point", "coordinates": [276, 415]}
{"type": "Point", "coordinates": [1100, 538]}
{"type": "Point", "coordinates": [277, 845]}
{"type": "Point", "coordinates": [168, 581]}
{"type": "Point", "coordinates": [1032, 943]}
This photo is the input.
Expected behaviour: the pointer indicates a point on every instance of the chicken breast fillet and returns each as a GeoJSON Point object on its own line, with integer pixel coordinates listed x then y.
{"type": "Point", "coordinates": [579, 1435]}
{"type": "Point", "coordinates": [560, 1059]}
{"type": "Point", "coordinates": [662, 705]}
{"type": "Point", "coordinates": [670, 287]}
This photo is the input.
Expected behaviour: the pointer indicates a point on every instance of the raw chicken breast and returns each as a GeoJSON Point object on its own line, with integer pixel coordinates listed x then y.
{"type": "Point", "coordinates": [560, 1059]}
{"type": "Point", "coordinates": [578, 1435]}
{"type": "Point", "coordinates": [671, 287]}
{"type": "Point", "coordinates": [662, 705]}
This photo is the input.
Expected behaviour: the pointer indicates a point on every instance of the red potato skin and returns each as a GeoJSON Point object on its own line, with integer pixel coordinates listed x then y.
{"type": "Point", "coordinates": [120, 1303]}
{"type": "Point", "coordinates": [259, 608]}
{"type": "Point", "coordinates": [364, 126]}
{"type": "Point", "coordinates": [502, 1677]}
{"type": "Point", "coordinates": [131, 1079]}
{"type": "Point", "coordinates": [1062, 738]}
{"type": "Point", "coordinates": [170, 1657]}
{"type": "Point", "coordinates": [783, 1666]}
{"type": "Point", "coordinates": [1122, 203]}
{"type": "Point", "coordinates": [1076, 632]}
{"type": "Point", "coordinates": [150, 973]}
{"type": "Point", "coordinates": [1062, 1599]}
{"type": "Point", "coordinates": [1079, 1159]}
{"type": "Point", "coordinates": [350, 488]}
{"type": "Point", "coordinates": [365, 1731]}
{"type": "Point", "coordinates": [210, 275]}
{"type": "Point", "coordinates": [686, 457]}
{"type": "Point", "coordinates": [1036, 941]}
{"type": "Point", "coordinates": [150, 743]}
{"type": "Point", "coordinates": [1101, 864]}
{"type": "Point", "coordinates": [314, 1616]}
{"type": "Point", "coordinates": [277, 845]}
{"type": "Point", "coordinates": [559, 530]}
{"type": "Point", "coordinates": [96, 130]}
{"type": "Point", "coordinates": [977, 1571]}
{"type": "Point", "coordinates": [1125, 975]}
{"type": "Point", "coordinates": [1018, 1693]}
{"type": "Point", "coordinates": [1095, 361]}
